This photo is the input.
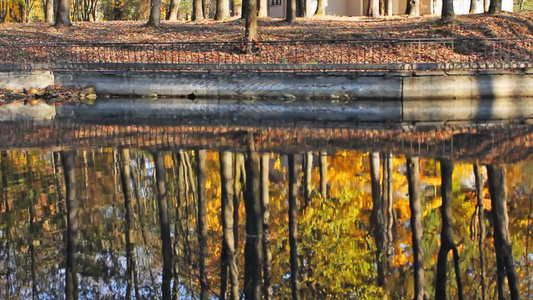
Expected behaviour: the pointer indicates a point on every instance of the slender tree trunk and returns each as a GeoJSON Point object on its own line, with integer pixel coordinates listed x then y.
{"type": "Point", "coordinates": [155, 13]}
{"type": "Point", "coordinates": [197, 10]}
{"type": "Point", "coordinates": [474, 6]}
{"type": "Point", "coordinates": [222, 10]}
{"type": "Point", "coordinates": [481, 221]}
{"type": "Point", "coordinates": [237, 8]}
{"type": "Point", "coordinates": [174, 10]}
{"type": "Point", "coordinates": [446, 235]}
{"type": "Point", "coordinates": [239, 185]}
{"type": "Point", "coordinates": [388, 8]}
{"type": "Point", "coordinates": [300, 8]}
{"type": "Point", "coordinates": [324, 175]}
{"type": "Point", "coordinates": [253, 251]}
{"type": "Point", "coordinates": [202, 222]}
{"type": "Point", "coordinates": [71, 274]}
{"type": "Point", "coordinates": [265, 211]}
{"type": "Point", "coordinates": [250, 33]}
{"type": "Point", "coordinates": [229, 262]}
{"type": "Point", "coordinates": [495, 7]}
{"type": "Point", "coordinates": [49, 11]}
{"type": "Point", "coordinates": [308, 159]}
{"type": "Point", "coordinates": [413, 8]}
{"type": "Point", "coordinates": [388, 201]}
{"type": "Point", "coordinates": [378, 218]}
{"type": "Point", "coordinates": [262, 10]}
{"type": "Point", "coordinates": [293, 227]}
{"type": "Point", "coordinates": [415, 203]}
{"type": "Point", "coordinates": [290, 16]}
{"type": "Point", "coordinates": [63, 13]}
{"type": "Point", "coordinates": [373, 9]}
{"type": "Point", "coordinates": [448, 14]}
{"type": "Point", "coordinates": [206, 8]}
{"type": "Point", "coordinates": [164, 222]}
{"type": "Point", "coordinates": [502, 243]}
{"type": "Point", "coordinates": [320, 8]}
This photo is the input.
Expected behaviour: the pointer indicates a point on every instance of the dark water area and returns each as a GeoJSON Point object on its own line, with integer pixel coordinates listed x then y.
{"type": "Point", "coordinates": [208, 211]}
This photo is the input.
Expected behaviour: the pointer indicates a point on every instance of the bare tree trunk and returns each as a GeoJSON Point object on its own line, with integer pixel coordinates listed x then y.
{"type": "Point", "coordinates": [262, 11]}
{"type": "Point", "coordinates": [448, 14]}
{"type": "Point", "coordinates": [373, 9]}
{"type": "Point", "coordinates": [446, 235]}
{"type": "Point", "coordinates": [155, 13]}
{"type": "Point", "coordinates": [413, 8]}
{"type": "Point", "coordinates": [300, 8]}
{"type": "Point", "coordinates": [63, 14]}
{"type": "Point", "coordinates": [481, 221]}
{"type": "Point", "coordinates": [290, 15]}
{"type": "Point", "coordinates": [388, 8]}
{"type": "Point", "coordinates": [324, 175]}
{"type": "Point", "coordinates": [388, 201]}
{"type": "Point", "coordinates": [222, 10]}
{"type": "Point", "coordinates": [49, 11]}
{"type": "Point", "coordinates": [173, 10]}
{"type": "Point", "coordinates": [308, 159]}
{"type": "Point", "coordinates": [69, 170]}
{"type": "Point", "coordinates": [253, 251]}
{"type": "Point", "coordinates": [495, 7]}
{"type": "Point", "coordinates": [320, 8]}
{"type": "Point", "coordinates": [197, 10]}
{"type": "Point", "coordinates": [293, 227]}
{"type": "Point", "coordinates": [502, 243]}
{"type": "Point", "coordinates": [206, 8]}
{"type": "Point", "coordinates": [415, 203]}
{"type": "Point", "coordinates": [378, 218]}
{"type": "Point", "coordinates": [164, 222]}
{"type": "Point", "coordinates": [202, 222]}
{"type": "Point", "coordinates": [228, 260]}
{"type": "Point", "coordinates": [265, 211]}
{"type": "Point", "coordinates": [474, 4]}
{"type": "Point", "coordinates": [237, 8]}
{"type": "Point", "coordinates": [250, 33]}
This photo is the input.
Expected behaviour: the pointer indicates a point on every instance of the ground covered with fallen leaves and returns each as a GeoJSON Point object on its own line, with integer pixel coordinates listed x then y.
{"type": "Point", "coordinates": [504, 25]}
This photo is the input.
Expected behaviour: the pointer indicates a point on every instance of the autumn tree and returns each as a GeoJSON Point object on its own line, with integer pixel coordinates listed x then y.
{"type": "Point", "coordinates": [155, 13]}
{"type": "Point", "coordinates": [49, 11]}
{"type": "Point", "coordinates": [446, 235]}
{"type": "Point", "coordinates": [320, 8]}
{"type": "Point", "coordinates": [502, 243]}
{"type": "Point", "coordinates": [481, 224]}
{"type": "Point", "coordinates": [202, 222]}
{"type": "Point", "coordinates": [293, 227]}
{"type": "Point", "coordinates": [495, 7]}
{"type": "Point", "coordinates": [378, 218]}
{"type": "Point", "coordinates": [448, 14]}
{"type": "Point", "coordinates": [413, 8]}
{"type": "Point", "coordinates": [373, 9]}
{"type": "Point", "coordinates": [63, 14]}
{"type": "Point", "coordinates": [222, 10]}
{"type": "Point", "coordinates": [173, 10]}
{"type": "Point", "coordinates": [265, 212]}
{"type": "Point", "coordinates": [290, 15]}
{"type": "Point", "coordinates": [197, 10]}
{"type": "Point", "coordinates": [73, 225]}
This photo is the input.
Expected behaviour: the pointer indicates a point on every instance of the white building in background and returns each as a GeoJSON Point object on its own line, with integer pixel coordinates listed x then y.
{"type": "Point", "coordinates": [350, 8]}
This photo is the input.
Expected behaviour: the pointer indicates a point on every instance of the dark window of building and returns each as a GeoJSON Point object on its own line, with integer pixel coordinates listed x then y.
{"type": "Point", "coordinates": [275, 2]}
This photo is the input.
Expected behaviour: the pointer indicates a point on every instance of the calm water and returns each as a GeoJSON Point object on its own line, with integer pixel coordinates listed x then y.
{"type": "Point", "coordinates": [123, 236]}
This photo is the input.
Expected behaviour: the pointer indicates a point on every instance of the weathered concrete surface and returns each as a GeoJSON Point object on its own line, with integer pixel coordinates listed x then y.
{"type": "Point", "coordinates": [440, 110]}
{"type": "Point", "coordinates": [264, 85]}
{"type": "Point", "coordinates": [465, 86]}
{"type": "Point", "coordinates": [220, 110]}
{"type": "Point", "coordinates": [21, 112]}
{"type": "Point", "coordinates": [19, 80]}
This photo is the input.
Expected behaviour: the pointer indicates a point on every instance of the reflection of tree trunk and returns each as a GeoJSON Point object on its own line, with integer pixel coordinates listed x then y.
{"type": "Point", "coordinates": [265, 211]}
{"type": "Point", "coordinates": [481, 223]}
{"type": "Point", "coordinates": [228, 260]}
{"type": "Point", "coordinates": [253, 251]}
{"type": "Point", "coordinates": [378, 221]}
{"type": "Point", "coordinates": [502, 244]}
{"type": "Point", "coordinates": [447, 244]}
{"type": "Point", "coordinates": [388, 201]}
{"type": "Point", "coordinates": [324, 174]}
{"type": "Point", "coordinates": [413, 176]}
{"type": "Point", "coordinates": [164, 222]}
{"type": "Point", "coordinates": [202, 222]}
{"type": "Point", "coordinates": [239, 184]}
{"type": "Point", "coordinates": [69, 167]}
{"type": "Point", "coordinates": [125, 175]}
{"type": "Point", "coordinates": [293, 226]}
{"type": "Point", "coordinates": [308, 159]}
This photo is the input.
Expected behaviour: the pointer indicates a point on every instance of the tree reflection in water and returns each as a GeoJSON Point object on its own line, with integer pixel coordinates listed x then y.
{"type": "Point", "coordinates": [128, 223]}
